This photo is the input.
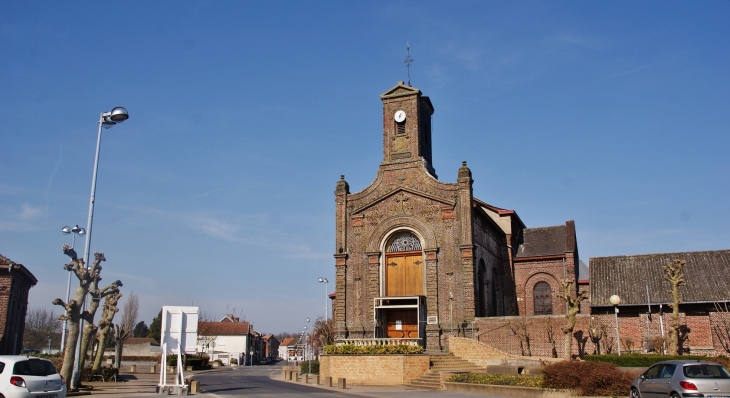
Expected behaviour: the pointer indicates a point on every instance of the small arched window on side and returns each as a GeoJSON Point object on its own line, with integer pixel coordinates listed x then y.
{"type": "Point", "coordinates": [543, 296]}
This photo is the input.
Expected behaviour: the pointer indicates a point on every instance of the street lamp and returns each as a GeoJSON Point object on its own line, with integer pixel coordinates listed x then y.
{"type": "Point", "coordinates": [325, 281]}
{"type": "Point", "coordinates": [106, 120]}
{"type": "Point", "coordinates": [73, 231]}
{"type": "Point", "coordinates": [615, 300]}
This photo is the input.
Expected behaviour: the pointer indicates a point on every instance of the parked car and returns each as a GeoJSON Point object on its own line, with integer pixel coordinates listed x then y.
{"type": "Point", "coordinates": [28, 377]}
{"type": "Point", "coordinates": [264, 361]}
{"type": "Point", "coordinates": [677, 379]}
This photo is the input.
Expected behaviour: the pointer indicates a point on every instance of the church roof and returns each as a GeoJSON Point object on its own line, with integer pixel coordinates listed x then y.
{"type": "Point", "coordinates": [706, 274]}
{"type": "Point", "coordinates": [547, 241]}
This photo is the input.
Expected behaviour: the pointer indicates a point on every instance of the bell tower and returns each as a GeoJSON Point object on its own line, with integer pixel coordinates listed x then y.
{"type": "Point", "coordinates": [407, 126]}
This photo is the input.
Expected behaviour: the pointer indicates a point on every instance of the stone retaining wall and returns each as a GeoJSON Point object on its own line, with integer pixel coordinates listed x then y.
{"type": "Point", "coordinates": [374, 370]}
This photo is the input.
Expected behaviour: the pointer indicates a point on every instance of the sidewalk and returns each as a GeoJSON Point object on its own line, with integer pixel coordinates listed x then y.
{"type": "Point", "coordinates": [139, 384]}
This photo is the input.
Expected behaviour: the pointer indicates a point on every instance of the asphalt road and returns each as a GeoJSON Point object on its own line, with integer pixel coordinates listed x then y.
{"type": "Point", "coordinates": [265, 381]}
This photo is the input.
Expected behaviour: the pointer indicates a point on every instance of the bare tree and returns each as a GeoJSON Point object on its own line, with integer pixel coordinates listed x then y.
{"type": "Point", "coordinates": [105, 325]}
{"type": "Point", "coordinates": [40, 325]}
{"type": "Point", "coordinates": [595, 333]}
{"type": "Point", "coordinates": [73, 307]}
{"type": "Point", "coordinates": [123, 329]}
{"type": "Point", "coordinates": [673, 272]}
{"type": "Point", "coordinates": [573, 307]}
{"type": "Point", "coordinates": [721, 328]}
{"type": "Point", "coordinates": [607, 340]}
{"type": "Point", "coordinates": [519, 329]}
{"type": "Point", "coordinates": [206, 331]}
{"type": "Point", "coordinates": [323, 333]}
{"type": "Point", "coordinates": [550, 330]}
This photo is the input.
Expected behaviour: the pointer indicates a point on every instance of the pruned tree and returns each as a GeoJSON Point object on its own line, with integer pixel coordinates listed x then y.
{"type": "Point", "coordinates": [40, 325]}
{"type": "Point", "coordinates": [105, 325]}
{"type": "Point", "coordinates": [550, 331]}
{"type": "Point", "coordinates": [573, 302]}
{"type": "Point", "coordinates": [674, 273]}
{"type": "Point", "coordinates": [90, 328]}
{"type": "Point", "coordinates": [595, 333]}
{"type": "Point", "coordinates": [607, 340]}
{"type": "Point", "coordinates": [519, 329]}
{"type": "Point", "coordinates": [721, 327]}
{"type": "Point", "coordinates": [73, 307]}
{"type": "Point", "coordinates": [123, 329]}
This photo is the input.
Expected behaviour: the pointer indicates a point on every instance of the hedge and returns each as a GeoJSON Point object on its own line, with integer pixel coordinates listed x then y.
{"type": "Point", "coordinates": [304, 367]}
{"type": "Point", "coordinates": [588, 378]}
{"type": "Point", "coordinates": [372, 349]}
{"type": "Point", "coordinates": [498, 380]}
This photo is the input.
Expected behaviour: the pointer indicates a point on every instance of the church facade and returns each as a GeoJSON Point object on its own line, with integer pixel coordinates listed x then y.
{"type": "Point", "coordinates": [418, 259]}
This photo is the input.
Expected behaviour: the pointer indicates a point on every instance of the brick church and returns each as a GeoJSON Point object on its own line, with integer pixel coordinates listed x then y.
{"type": "Point", "coordinates": [418, 258]}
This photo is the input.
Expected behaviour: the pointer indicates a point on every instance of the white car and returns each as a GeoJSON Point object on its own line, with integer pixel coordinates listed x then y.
{"type": "Point", "coordinates": [28, 377]}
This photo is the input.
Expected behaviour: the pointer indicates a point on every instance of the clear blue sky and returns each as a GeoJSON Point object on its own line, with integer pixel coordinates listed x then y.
{"type": "Point", "coordinates": [218, 191]}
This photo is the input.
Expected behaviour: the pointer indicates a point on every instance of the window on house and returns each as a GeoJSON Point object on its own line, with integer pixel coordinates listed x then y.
{"type": "Point", "coordinates": [543, 298]}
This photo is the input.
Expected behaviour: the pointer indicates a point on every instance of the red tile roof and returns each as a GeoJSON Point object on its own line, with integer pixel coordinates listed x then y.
{"type": "Point", "coordinates": [223, 328]}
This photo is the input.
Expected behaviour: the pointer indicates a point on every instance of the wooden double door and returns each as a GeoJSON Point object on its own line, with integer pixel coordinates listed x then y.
{"type": "Point", "coordinates": [404, 274]}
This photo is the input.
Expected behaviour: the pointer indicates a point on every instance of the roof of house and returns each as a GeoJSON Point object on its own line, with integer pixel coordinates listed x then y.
{"type": "Point", "coordinates": [289, 341]}
{"type": "Point", "coordinates": [223, 328]}
{"type": "Point", "coordinates": [6, 263]}
{"type": "Point", "coordinates": [547, 241]}
{"type": "Point", "coordinates": [141, 340]}
{"type": "Point", "coordinates": [706, 274]}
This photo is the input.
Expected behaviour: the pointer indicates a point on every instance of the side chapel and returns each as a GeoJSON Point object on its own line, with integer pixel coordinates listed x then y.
{"type": "Point", "coordinates": [418, 259]}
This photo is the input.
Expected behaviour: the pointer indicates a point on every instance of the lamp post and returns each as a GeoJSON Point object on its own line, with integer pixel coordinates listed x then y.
{"type": "Point", "coordinates": [325, 281]}
{"type": "Point", "coordinates": [615, 300]}
{"type": "Point", "coordinates": [106, 120]}
{"type": "Point", "coordinates": [73, 231]}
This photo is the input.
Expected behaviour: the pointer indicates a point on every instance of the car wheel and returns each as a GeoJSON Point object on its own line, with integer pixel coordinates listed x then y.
{"type": "Point", "coordinates": [635, 393]}
{"type": "Point", "coordinates": [675, 395]}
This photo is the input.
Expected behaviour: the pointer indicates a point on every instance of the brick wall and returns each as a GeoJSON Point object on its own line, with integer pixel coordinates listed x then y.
{"type": "Point", "coordinates": [633, 325]}
{"type": "Point", "coordinates": [374, 370]}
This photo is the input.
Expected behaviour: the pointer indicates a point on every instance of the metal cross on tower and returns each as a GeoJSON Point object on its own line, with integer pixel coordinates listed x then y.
{"type": "Point", "coordinates": [408, 61]}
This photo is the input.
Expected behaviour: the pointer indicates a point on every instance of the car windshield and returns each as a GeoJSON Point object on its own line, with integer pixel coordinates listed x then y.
{"type": "Point", "coordinates": [2, 366]}
{"type": "Point", "coordinates": [706, 371]}
{"type": "Point", "coordinates": [34, 367]}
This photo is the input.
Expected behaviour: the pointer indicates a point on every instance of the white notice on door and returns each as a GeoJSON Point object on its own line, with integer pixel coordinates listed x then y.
{"type": "Point", "coordinates": [399, 325]}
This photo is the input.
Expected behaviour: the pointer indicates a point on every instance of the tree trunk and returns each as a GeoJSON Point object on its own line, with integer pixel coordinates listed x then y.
{"type": "Point", "coordinates": [105, 323]}
{"type": "Point", "coordinates": [118, 354]}
{"type": "Point", "coordinates": [674, 274]}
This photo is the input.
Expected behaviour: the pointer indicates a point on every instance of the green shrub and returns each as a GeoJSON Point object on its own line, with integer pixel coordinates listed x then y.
{"type": "Point", "coordinates": [372, 349]}
{"type": "Point", "coordinates": [589, 378]}
{"type": "Point", "coordinates": [498, 380]}
{"type": "Point", "coordinates": [304, 367]}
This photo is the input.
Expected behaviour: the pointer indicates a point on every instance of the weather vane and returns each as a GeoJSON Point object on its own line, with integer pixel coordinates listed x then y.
{"type": "Point", "coordinates": [408, 61]}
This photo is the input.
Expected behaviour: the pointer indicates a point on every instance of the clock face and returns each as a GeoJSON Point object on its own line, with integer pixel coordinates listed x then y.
{"type": "Point", "coordinates": [399, 116]}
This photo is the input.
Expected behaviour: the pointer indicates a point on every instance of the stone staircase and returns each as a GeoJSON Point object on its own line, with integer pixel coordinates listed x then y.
{"type": "Point", "coordinates": [442, 363]}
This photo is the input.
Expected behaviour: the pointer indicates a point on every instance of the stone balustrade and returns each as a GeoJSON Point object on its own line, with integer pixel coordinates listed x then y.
{"type": "Point", "coordinates": [383, 341]}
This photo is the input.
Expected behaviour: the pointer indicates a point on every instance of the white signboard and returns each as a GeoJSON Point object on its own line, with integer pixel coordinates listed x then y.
{"type": "Point", "coordinates": [179, 329]}
{"type": "Point", "coordinates": [399, 325]}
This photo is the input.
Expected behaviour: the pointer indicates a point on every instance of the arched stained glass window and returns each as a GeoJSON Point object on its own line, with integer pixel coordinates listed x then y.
{"type": "Point", "coordinates": [543, 295]}
{"type": "Point", "coordinates": [405, 242]}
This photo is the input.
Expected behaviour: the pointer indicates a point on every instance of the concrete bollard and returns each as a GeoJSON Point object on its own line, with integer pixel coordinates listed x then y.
{"type": "Point", "coordinates": [316, 380]}
{"type": "Point", "coordinates": [328, 381]}
{"type": "Point", "coordinates": [153, 369]}
{"type": "Point", "coordinates": [306, 378]}
{"type": "Point", "coordinates": [194, 386]}
{"type": "Point", "coordinates": [133, 369]}
{"type": "Point", "coordinates": [299, 376]}
{"type": "Point", "coordinates": [341, 383]}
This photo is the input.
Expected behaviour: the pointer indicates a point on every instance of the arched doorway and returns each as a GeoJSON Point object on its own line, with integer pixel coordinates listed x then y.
{"type": "Point", "coordinates": [403, 285]}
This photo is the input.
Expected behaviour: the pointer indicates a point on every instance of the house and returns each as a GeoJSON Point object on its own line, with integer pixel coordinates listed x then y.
{"type": "Point", "coordinates": [141, 347]}
{"type": "Point", "coordinates": [227, 340]}
{"type": "Point", "coordinates": [291, 349]}
{"type": "Point", "coordinates": [15, 283]}
{"type": "Point", "coordinates": [270, 346]}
